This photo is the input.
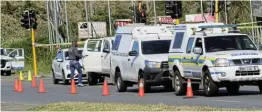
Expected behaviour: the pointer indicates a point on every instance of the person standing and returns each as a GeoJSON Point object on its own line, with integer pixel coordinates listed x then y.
{"type": "Point", "coordinates": [74, 57]}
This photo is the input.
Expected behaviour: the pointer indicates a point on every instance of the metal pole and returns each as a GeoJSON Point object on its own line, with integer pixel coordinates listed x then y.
{"type": "Point", "coordinates": [251, 17]}
{"type": "Point", "coordinates": [34, 53]}
{"type": "Point", "coordinates": [226, 11]}
{"type": "Point", "coordinates": [216, 10]}
{"type": "Point", "coordinates": [49, 37]}
{"type": "Point", "coordinates": [109, 17]}
{"type": "Point", "coordinates": [67, 32]}
{"type": "Point", "coordinates": [155, 12]}
{"type": "Point", "coordinates": [202, 12]}
{"type": "Point", "coordinates": [87, 19]}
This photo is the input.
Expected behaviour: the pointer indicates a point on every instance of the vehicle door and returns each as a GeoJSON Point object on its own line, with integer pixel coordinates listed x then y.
{"type": "Point", "coordinates": [133, 62]}
{"type": "Point", "coordinates": [92, 55]}
{"type": "Point", "coordinates": [197, 63]}
{"type": "Point", "coordinates": [105, 58]}
{"type": "Point", "coordinates": [188, 57]}
{"type": "Point", "coordinates": [18, 62]}
{"type": "Point", "coordinates": [57, 64]}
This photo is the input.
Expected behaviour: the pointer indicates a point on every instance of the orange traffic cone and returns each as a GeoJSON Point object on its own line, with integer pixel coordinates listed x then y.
{"type": "Point", "coordinates": [16, 84]}
{"type": "Point", "coordinates": [41, 88]}
{"type": "Point", "coordinates": [141, 92]}
{"type": "Point", "coordinates": [73, 87]}
{"type": "Point", "coordinates": [20, 86]}
{"type": "Point", "coordinates": [189, 92]}
{"type": "Point", "coordinates": [105, 89]}
{"type": "Point", "coordinates": [33, 82]}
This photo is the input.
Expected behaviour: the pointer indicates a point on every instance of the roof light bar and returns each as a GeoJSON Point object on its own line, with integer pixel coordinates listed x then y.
{"type": "Point", "coordinates": [220, 26]}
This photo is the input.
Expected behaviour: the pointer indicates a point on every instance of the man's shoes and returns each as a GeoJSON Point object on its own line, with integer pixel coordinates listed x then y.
{"type": "Point", "coordinates": [80, 85]}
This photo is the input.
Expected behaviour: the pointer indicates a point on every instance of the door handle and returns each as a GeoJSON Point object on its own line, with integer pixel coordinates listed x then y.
{"type": "Point", "coordinates": [128, 59]}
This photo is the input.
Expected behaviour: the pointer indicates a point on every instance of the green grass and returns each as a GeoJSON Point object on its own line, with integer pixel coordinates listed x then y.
{"type": "Point", "coordinates": [86, 106]}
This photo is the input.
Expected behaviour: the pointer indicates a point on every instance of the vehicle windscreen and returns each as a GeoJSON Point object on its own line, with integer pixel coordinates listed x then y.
{"type": "Point", "coordinates": [225, 43]}
{"type": "Point", "coordinates": [155, 47]}
{"type": "Point", "coordinates": [67, 55]}
{"type": "Point", "coordinates": [94, 45]}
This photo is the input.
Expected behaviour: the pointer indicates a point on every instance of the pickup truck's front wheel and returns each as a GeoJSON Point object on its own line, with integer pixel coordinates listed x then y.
{"type": "Point", "coordinates": [92, 79]}
{"type": "Point", "coordinates": [121, 86]}
{"type": "Point", "coordinates": [178, 84]}
{"type": "Point", "coordinates": [260, 87]}
{"type": "Point", "coordinates": [210, 87]}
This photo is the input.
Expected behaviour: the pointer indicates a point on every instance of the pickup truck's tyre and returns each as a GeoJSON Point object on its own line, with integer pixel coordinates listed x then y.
{"type": "Point", "coordinates": [178, 84]}
{"type": "Point", "coordinates": [65, 81]}
{"type": "Point", "coordinates": [8, 73]}
{"type": "Point", "coordinates": [260, 87]}
{"type": "Point", "coordinates": [92, 79]}
{"type": "Point", "coordinates": [210, 87]}
{"type": "Point", "coordinates": [55, 81]}
{"type": "Point", "coordinates": [120, 85]}
{"type": "Point", "coordinates": [147, 87]}
{"type": "Point", "coordinates": [233, 88]}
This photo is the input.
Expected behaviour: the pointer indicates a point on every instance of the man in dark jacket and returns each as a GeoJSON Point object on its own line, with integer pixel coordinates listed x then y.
{"type": "Point", "coordinates": [74, 57]}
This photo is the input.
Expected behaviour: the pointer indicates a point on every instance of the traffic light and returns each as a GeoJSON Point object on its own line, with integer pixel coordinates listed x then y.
{"type": "Point", "coordinates": [174, 9]}
{"type": "Point", "coordinates": [143, 17]}
{"type": "Point", "coordinates": [29, 20]}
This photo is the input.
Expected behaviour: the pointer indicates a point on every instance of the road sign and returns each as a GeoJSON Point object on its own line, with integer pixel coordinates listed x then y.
{"type": "Point", "coordinates": [98, 30]}
{"type": "Point", "coordinates": [166, 20]}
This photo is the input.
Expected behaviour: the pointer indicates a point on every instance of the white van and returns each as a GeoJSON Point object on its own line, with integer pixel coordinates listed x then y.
{"type": "Point", "coordinates": [140, 52]}
{"type": "Point", "coordinates": [97, 59]}
{"type": "Point", "coordinates": [211, 55]}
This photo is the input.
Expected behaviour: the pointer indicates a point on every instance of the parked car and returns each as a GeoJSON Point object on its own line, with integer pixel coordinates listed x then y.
{"type": "Point", "coordinates": [140, 52]}
{"type": "Point", "coordinates": [61, 67]}
{"type": "Point", "coordinates": [6, 63]}
{"type": "Point", "coordinates": [97, 59]}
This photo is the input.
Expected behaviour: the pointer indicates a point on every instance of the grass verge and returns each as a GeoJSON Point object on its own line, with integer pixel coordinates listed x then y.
{"type": "Point", "coordinates": [86, 106]}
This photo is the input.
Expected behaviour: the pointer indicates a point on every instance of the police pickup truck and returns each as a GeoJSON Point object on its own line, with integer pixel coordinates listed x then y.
{"type": "Point", "coordinates": [211, 55]}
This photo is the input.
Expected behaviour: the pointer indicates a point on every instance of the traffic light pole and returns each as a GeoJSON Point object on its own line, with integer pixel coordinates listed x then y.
{"type": "Point", "coordinates": [216, 10]}
{"type": "Point", "coordinates": [33, 48]}
{"type": "Point", "coordinates": [177, 21]}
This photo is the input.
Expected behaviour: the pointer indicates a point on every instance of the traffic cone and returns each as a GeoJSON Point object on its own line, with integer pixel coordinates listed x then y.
{"type": "Point", "coordinates": [33, 82]}
{"type": "Point", "coordinates": [73, 87]}
{"type": "Point", "coordinates": [20, 86]}
{"type": "Point", "coordinates": [21, 77]}
{"type": "Point", "coordinates": [29, 77]}
{"type": "Point", "coordinates": [189, 92]}
{"type": "Point", "coordinates": [141, 91]}
{"type": "Point", "coordinates": [105, 89]}
{"type": "Point", "coordinates": [16, 84]}
{"type": "Point", "coordinates": [41, 88]}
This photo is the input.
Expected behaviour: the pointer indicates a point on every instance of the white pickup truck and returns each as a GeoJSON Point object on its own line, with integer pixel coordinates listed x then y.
{"type": "Point", "coordinates": [97, 59]}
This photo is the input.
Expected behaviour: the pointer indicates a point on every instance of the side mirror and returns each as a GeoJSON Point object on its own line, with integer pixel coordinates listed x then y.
{"type": "Point", "coordinates": [132, 53]}
{"type": "Point", "coordinates": [106, 51]}
{"type": "Point", "coordinates": [197, 50]}
{"type": "Point", "coordinates": [59, 60]}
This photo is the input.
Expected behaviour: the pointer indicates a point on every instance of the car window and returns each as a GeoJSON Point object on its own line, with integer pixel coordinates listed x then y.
{"type": "Point", "coordinates": [117, 42]}
{"type": "Point", "coordinates": [135, 47]}
{"type": "Point", "coordinates": [94, 45]}
{"type": "Point", "coordinates": [178, 40]}
{"type": "Point", "coordinates": [155, 46]}
{"type": "Point", "coordinates": [189, 45]}
{"type": "Point", "coordinates": [106, 45]}
{"type": "Point", "coordinates": [198, 43]}
{"type": "Point", "coordinates": [59, 55]}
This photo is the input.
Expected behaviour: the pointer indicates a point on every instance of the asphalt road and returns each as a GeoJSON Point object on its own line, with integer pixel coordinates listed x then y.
{"type": "Point", "coordinates": [248, 97]}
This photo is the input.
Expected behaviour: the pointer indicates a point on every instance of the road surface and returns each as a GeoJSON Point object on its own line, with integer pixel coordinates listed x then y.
{"type": "Point", "coordinates": [248, 97]}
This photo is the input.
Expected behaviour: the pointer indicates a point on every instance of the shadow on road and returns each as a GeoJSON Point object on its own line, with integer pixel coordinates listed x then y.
{"type": "Point", "coordinates": [224, 93]}
{"type": "Point", "coordinates": [158, 89]}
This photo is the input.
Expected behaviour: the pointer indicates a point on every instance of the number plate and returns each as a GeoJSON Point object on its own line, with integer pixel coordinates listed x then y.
{"type": "Point", "coordinates": [250, 68]}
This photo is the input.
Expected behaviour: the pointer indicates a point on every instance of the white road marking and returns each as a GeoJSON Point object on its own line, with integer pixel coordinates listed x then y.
{"type": "Point", "coordinates": [226, 101]}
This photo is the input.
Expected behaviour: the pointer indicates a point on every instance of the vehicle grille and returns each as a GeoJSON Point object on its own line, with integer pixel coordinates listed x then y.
{"type": "Point", "coordinates": [164, 64]}
{"type": "Point", "coordinates": [247, 73]}
{"type": "Point", "coordinates": [246, 61]}
{"type": "Point", "coordinates": [3, 62]}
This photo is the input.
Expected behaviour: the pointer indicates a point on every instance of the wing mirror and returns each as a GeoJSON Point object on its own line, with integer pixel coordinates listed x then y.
{"type": "Point", "coordinates": [59, 60]}
{"type": "Point", "coordinates": [106, 51]}
{"type": "Point", "coordinates": [197, 50]}
{"type": "Point", "coordinates": [132, 53]}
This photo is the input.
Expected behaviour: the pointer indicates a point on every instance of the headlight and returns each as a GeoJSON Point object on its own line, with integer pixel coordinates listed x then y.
{"type": "Point", "coordinates": [152, 64]}
{"type": "Point", "coordinates": [68, 67]}
{"type": "Point", "coordinates": [221, 62]}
